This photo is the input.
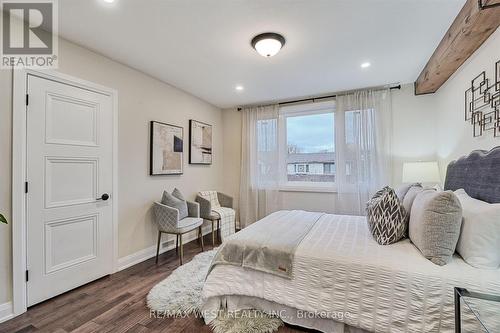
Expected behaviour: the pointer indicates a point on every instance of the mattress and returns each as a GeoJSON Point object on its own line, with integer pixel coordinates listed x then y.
{"type": "Point", "coordinates": [339, 269]}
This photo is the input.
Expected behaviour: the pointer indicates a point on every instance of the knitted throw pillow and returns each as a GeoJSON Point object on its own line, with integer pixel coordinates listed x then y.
{"type": "Point", "coordinates": [386, 216]}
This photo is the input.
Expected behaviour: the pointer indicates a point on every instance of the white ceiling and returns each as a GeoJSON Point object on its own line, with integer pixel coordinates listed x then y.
{"type": "Point", "coordinates": [203, 47]}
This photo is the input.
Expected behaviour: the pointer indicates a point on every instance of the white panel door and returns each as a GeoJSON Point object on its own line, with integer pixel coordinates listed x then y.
{"type": "Point", "coordinates": [69, 173]}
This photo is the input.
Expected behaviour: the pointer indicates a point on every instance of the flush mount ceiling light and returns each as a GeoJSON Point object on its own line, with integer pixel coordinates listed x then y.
{"type": "Point", "coordinates": [365, 65]}
{"type": "Point", "coordinates": [268, 44]}
{"type": "Point", "coordinates": [239, 87]}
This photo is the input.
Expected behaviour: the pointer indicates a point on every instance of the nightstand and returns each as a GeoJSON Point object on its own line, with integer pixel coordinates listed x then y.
{"type": "Point", "coordinates": [485, 309]}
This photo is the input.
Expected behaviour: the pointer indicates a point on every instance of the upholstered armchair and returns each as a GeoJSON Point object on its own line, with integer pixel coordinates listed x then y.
{"type": "Point", "coordinates": [168, 222]}
{"type": "Point", "coordinates": [209, 200]}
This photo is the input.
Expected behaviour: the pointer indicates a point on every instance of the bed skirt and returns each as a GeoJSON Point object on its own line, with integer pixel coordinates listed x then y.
{"type": "Point", "coordinates": [322, 322]}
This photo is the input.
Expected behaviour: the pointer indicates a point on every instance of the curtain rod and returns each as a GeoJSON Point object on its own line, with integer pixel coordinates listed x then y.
{"type": "Point", "coordinates": [312, 99]}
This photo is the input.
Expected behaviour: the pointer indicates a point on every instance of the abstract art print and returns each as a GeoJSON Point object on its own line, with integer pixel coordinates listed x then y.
{"type": "Point", "coordinates": [200, 142]}
{"type": "Point", "coordinates": [166, 149]}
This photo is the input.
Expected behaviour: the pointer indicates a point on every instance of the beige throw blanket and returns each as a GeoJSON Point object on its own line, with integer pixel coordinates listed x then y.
{"type": "Point", "coordinates": [268, 246]}
{"type": "Point", "coordinates": [227, 221]}
{"type": "Point", "coordinates": [226, 215]}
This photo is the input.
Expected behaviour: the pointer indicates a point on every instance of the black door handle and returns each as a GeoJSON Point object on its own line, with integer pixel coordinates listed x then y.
{"type": "Point", "coordinates": [103, 197]}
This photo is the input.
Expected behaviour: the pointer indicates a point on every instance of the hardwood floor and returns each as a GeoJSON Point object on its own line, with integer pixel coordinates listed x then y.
{"type": "Point", "coordinates": [116, 303]}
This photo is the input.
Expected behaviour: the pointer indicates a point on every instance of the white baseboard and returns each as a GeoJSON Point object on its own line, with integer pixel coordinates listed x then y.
{"type": "Point", "coordinates": [150, 252]}
{"type": "Point", "coordinates": [6, 309]}
{"type": "Point", "coordinates": [6, 312]}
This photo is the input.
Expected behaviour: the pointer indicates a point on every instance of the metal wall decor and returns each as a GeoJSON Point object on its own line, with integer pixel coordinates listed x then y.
{"type": "Point", "coordinates": [482, 104]}
{"type": "Point", "coordinates": [482, 5]}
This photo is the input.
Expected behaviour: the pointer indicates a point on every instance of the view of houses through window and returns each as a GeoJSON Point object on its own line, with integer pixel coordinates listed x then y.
{"type": "Point", "coordinates": [310, 148]}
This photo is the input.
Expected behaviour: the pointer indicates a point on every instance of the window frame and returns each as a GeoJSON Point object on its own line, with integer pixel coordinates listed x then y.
{"type": "Point", "coordinates": [303, 110]}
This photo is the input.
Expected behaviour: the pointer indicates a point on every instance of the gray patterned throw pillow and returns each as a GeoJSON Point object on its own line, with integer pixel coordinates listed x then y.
{"type": "Point", "coordinates": [176, 200]}
{"type": "Point", "coordinates": [386, 216]}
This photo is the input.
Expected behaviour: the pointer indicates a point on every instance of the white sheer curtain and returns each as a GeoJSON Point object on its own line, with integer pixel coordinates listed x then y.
{"type": "Point", "coordinates": [259, 163]}
{"type": "Point", "coordinates": [363, 146]}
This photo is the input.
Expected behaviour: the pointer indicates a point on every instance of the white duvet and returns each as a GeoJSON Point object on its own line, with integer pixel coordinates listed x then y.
{"type": "Point", "coordinates": [339, 268]}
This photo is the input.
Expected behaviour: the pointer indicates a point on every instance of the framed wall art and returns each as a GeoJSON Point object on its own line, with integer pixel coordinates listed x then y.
{"type": "Point", "coordinates": [200, 142]}
{"type": "Point", "coordinates": [166, 149]}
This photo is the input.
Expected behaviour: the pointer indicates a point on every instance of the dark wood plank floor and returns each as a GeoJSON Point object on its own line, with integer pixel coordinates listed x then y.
{"type": "Point", "coordinates": [116, 303]}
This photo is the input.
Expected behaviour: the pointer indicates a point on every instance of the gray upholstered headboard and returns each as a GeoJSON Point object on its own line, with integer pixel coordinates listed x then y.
{"type": "Point", "coordinates": [478, 174]}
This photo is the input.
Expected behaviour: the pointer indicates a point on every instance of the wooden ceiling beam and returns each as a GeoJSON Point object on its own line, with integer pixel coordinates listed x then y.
{"type": "Point", "coordinates": [466, 34]}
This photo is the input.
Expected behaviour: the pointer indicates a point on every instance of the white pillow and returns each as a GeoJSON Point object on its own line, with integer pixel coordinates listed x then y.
{"type": "Point", "coordinates": [479, 242]}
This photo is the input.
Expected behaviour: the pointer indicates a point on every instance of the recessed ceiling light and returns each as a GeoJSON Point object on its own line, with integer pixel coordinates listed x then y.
{"type": "Point", "coordinates": [365, 65]}
{"type": "Point", "coordinates": [268, 44]}
{"type": "Point", "coordinates": [239, 88]}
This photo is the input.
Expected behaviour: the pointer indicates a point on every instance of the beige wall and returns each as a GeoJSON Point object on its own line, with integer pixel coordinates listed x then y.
{"type": "Point", "coordinates": [231, 120]}
{"type": "Point", "coordinates": [413, 139]}
{"type": "Point", "coordinates": [141, 99]}
{"type": "Point", "coordinates": [454, 134]}
{"type": "Point", "coordinates": [414, 129]}
{"type": "Point", "coordinates": [5, 183]}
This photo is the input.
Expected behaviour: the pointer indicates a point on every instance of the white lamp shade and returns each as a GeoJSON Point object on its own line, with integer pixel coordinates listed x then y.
{"type": "Point", "coordinates": [421, 172]}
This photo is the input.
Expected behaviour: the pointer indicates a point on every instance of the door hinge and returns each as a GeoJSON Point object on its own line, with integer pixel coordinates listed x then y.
{"type": "Point", "coordinates": [25, 187]}
{"type": "Point", "coordinates": [27, 99]}
{"type": "Point", "coordinates": [27, 276]}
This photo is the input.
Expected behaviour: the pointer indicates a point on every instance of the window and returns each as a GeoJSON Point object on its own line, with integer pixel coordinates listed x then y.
{"type": "Point", "coordinates": [301, 168]}
{"type": "Point", "coordinates": [329, 168]}
{"type": "Point", "coordinates": [307, 147]}
{"type": "Point", "coordinates": [322, 149]}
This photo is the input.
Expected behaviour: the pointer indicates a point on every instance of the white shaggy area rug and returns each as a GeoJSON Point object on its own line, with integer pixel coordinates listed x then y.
{"type": "Point", "coordinates": [246, 321]}
{"type": "Point", "coordinates": [180, 295]}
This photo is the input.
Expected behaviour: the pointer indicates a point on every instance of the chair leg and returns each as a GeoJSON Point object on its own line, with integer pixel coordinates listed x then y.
{"type": "Point", "coordinates": [177, 244]}
{"type": "Point", "coordinates": [182, 249]}
{"type": "Point", "coordinates": [158, 246]}
{"type": "Point", "coordinates": [219, 237]}
{"type": "Point", "coordinates": [201, 239]}
{"type": "Point", "coordinates": [213, 233]}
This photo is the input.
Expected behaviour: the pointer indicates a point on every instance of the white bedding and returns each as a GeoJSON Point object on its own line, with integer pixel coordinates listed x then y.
{"type": "Point", "coordinates": [339, 268]}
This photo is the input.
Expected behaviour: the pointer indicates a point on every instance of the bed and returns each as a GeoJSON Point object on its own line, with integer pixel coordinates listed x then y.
{"type": "Point", "coordinates": [343, 281]}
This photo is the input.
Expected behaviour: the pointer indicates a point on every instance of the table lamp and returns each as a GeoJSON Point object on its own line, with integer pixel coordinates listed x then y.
{"type": "Point", "coordinates": [421, 172]}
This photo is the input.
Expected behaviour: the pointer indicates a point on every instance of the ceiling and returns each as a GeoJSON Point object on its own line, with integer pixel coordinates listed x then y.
{"type": "Point", "coordinates": [203, 47]}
